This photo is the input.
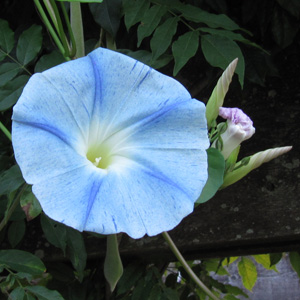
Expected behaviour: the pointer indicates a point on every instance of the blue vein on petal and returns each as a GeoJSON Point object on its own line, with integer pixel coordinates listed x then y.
{"type": "Point", "coordinates": [98, 88]}
{"type": "Point", "coordinates": [137, 83]}
{"type": "Point", "coordinates": [66, 103]}
{"type": "Point", "coordinates": [154, 172]}
{"type": "Point", "coordinates": [138, 125]}
{"type": "Point", "coordinates": [93, 193]}
{"type": "Point", "coordinates": [47, 128]}
{"type": "Point", "coordinates": [160, 176]}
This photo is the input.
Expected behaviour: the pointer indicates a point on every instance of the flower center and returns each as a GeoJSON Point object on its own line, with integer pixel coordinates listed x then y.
{"type": "Point", "coordinates": [100, 156]}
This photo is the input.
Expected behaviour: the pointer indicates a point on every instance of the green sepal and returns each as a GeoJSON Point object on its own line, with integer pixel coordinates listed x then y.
{"type": "Point", "coordinates": [113, 267]}
{"type": "Point", "coordinates": [232, 159]}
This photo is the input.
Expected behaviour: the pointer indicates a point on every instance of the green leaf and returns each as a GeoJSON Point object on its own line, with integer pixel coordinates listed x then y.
{"type": "Point", "coordinates": [163, 36]}
{"type": "Point", "coordinates": [234, 290]}
{"type": "Point", "coordinates": [230, 297]}
{"type": "Point", "coordinates": [170, 294]}
{"type": "Point", "coordinates": [132, 274]}
{"type": "Point", "coordinates": [55, 233]}
{"type": "Point", "coordinates": [216, 168]}
{"type": "Point", "coordinates": [16, 232]}
{"type": "Point", "coordinates": [29, 44]}
{"type": "Point", "coordinates": [76, 251]}
{"type": "Point", "coordinates": [275, 258]}
{"type": "Point", "coordinates": [113, 268]}
{"type": "Point", "coordinates": [283, 29]}
{"type": "Point", "coordinates": [30, 205]}
{"type": "Point", "coordinates": [195, 14]}
{"type": "Point", "coordinates": [184, 48]}
{"type": "Point", "coordinates": [215, 265]}
{"type": "Point", "coordinates": [146, 57]}
{"type": "Point", "coordinates": [295, 261]}
{"type": "Point", "coordinates": [17, 294]}
{"type": "Point", "coordinates": [134, 11]}
{"type": "Point", "coordinates": [48, 61]}
{"type": "Point", "coordinates": [7, 72]}
{"type": "Point", "coordinates": [143, 288]}
{"type": "Point", "coordinates": [231, 35]}
{"type": "Point", "coordinates": [6, 37]}
{"type": "Point", "coordinates": [22, 261]}
{"type": "Point", "coordinates": [11, 180]}
{"type": "Point", "coordinates": [29, 297]}
{"type": "Point", "coordinates": [265, 261]}
{"type": "Point", "coordinates": [220, 51]}
{"type": "Point", "coordinates": [229, 260]}
{"type": "Point", "coordinates": [42, 293]}
{"type": "Point", "coordinates": [10, 92]}
{"type": "Point", "coordinates": [155, 293]}
{"type": "Point", "coordinates": [107, 15]}
{"type": "Point", "coordinates": [248, 272]}
{"type": "Point", "coordinates": [292, 6]}
{"type": "Point", "coordinates": [149, 22]}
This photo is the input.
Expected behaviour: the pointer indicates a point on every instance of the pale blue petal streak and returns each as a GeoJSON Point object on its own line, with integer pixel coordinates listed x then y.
{"type": "Point", "coordinates": [128, 91]}
{"type": "Point", "coordinates": [42, 154]}
{"type": "Point", "coordinates": [137, 202]}
{"type": "Point", "coordinates": [69, 197]}
{"type": "Point", "coordinates": [61, 98]}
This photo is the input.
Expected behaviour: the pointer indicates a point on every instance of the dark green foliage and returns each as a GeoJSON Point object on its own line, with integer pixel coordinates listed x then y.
{"type": "Point", "coordinates": [11, 180]}
{"type": "Point", "coordinates": [159, 20]}
{"type": "Point", "coordinates": [15, 58]}
{"type": "Point", "coordinates": [107, 15]}
{"type": "Point", "coordinates": [159, 33]}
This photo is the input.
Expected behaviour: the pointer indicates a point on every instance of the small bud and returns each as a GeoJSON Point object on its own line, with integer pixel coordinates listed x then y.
{"type": "Point", "coordinates": [216, 99]}
{"type": "Point", "coordinates": [242, 169]}
{"type": "Point", "coordinates": [239, 128]}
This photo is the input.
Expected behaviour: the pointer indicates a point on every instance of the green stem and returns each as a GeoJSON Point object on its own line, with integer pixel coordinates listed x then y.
{"type": "Point", "coordinates": [77, 28]}
{"type": "Point", "coordinates": [70, 31]}
{"type": "Point", "coordinates": [110, 42]}
{"type": "Point", "coordinates": [51, 13]}
{"type": "Point", "coordinates": [14, 205]}
{"type": "Point", "coordinates": [50, 28]}
{"type": "Point", "coordinates": [187, 267]}
{"type": "Point", "coordinates": [60, 28]}
{"type": "Point", "coordinates": [5, 131]}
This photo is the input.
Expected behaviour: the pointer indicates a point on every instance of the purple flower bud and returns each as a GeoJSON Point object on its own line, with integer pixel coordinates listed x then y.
{"type": "Point", "coordinates": [239, 128]}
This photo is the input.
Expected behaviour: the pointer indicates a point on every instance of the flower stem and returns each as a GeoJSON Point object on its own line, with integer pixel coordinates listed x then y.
{"type": "Point", "coordinates": [187, 268]}
{"type": "Point", "coordinates": [5, 131]}
{"type": "Point", "coordinates": [77, 28]}
{"type": "Point", "coordinates": [50, 28]}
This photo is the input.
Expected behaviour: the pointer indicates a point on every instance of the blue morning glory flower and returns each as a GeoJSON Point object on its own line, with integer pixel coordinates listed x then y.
{"type": "Point", "coordinates": [111, 145]}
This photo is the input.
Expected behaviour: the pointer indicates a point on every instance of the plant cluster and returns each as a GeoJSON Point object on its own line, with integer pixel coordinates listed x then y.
{"type": "Point", "coordinates": [167, 35]}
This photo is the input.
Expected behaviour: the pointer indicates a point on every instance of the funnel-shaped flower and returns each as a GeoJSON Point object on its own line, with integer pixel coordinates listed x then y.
{"type": "Point", "coordinates": [239, 128]}
{"type": "Point", "coordinates": [111, 145]}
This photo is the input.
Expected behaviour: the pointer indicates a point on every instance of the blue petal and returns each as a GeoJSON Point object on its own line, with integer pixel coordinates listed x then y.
{"type": "Point", "coordinates": [69, 197]}
{"type": "Point", "coordinates": [43, 155]}
{"type": "Point", "coordinates": [138, 201]}
{"type": "Point", "coordinates": [157, 131]}
{"type": "Point", "coordinates": [59, 100]}
{"type": "Point", "coordinates": [128, 91]}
